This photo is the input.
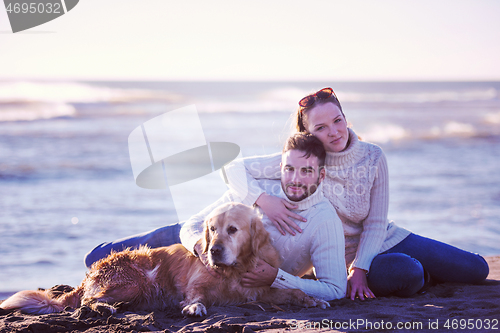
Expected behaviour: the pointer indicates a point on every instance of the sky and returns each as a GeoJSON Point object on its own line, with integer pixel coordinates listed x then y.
{"type": "Point", "coordinates": [358, 40]}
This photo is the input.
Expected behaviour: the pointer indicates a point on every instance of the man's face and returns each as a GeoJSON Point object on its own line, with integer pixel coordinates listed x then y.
{"type": "Point", "coordinates": [300, 176]}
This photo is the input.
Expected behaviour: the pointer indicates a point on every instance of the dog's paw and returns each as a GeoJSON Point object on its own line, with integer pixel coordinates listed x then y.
{"type": "Point", "coordinates": [96, 310]}
{"type": "Point", "coordinates": [195, 310]}
{"type": "Point", "coordinates": [311, 302]}
{"type": "Point", "coordinates": [105, 310]}
{"type": "Point", "coordinates": [83, 312]}
{"type": "Point", "coordinates": [322, 304]}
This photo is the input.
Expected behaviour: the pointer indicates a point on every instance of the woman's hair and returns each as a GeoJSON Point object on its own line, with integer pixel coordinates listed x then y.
{"type": "Point", "coordinates": [307, 143]}
{"type": "Point", "coordinates": [298, 120]}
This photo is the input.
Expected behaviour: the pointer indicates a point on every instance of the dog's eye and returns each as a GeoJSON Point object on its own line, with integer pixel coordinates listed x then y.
{"type": "Point", "coordinates": [212, 228]}
{"type": "Point", "coordinates": [231, 230]}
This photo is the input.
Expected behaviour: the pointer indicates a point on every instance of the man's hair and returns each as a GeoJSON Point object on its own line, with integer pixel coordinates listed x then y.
{"type": "Point", "coordinates": [307, 143]}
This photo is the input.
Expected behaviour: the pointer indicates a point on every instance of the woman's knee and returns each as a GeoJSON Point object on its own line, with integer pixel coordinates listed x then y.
{"type": "Point", "coordinates": [395, 274]}
{"type": "Point", "coordinates": [480, 271]}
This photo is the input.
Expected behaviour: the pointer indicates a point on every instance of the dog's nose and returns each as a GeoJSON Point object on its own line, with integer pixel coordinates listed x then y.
{"type": "Point", "coordinates": [216, 250]}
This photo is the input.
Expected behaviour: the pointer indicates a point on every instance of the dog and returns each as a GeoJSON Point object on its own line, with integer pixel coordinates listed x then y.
{"type": "Point", "coordinates": [168, 277]}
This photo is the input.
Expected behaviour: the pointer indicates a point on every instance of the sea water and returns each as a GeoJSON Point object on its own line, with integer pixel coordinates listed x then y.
{"type": "Point", "coordinates": [66, 181]}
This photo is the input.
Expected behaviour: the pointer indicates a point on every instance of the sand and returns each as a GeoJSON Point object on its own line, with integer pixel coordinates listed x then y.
{"type": "Point", "coordinates": [443, 308]}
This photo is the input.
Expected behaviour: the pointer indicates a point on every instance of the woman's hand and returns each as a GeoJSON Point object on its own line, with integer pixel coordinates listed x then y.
{"type": "Point", "coordinates": [278, 211]}
{"type": "Point", "coordinates": [262, 276]}
{"type": "Point", "coordinates": [357, 285]}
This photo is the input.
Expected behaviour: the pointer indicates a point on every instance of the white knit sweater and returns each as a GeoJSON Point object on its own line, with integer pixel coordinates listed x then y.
{"type": "Point", "coordinates": [320, 245]}
{"type": "Point", "coordinates": [357, 185]}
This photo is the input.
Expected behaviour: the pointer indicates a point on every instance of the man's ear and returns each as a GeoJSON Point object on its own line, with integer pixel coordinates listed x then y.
{"type": "Point", "coordinates": [322, 174]}
{"type": "Point", "coordinates": [206, 240]}
{"type": "Point", "coordinates": [258, 233]}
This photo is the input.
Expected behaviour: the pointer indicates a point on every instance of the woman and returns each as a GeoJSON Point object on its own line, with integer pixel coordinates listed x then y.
{"type": "Point", "coordinates": [382, 258]}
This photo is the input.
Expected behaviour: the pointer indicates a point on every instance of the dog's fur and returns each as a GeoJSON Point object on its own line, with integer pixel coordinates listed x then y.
{"type": "Point", "coordinates": [149, 279]}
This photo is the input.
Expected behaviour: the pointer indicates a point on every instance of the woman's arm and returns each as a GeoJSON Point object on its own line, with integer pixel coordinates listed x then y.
{"type": "Point", "coordinates": [373, 235]}
{"type": "Point", "coordinates": [375, 224]}
{"type": "Point", "coordinates": [279, 212]}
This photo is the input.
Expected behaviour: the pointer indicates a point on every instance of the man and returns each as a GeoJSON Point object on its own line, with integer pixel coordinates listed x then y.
{"type": "Point", "coordinates": [321, 242]}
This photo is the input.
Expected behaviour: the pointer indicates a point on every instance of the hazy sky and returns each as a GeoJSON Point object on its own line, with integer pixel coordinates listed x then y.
{"type": "Point", "coordinates": [260, 40]}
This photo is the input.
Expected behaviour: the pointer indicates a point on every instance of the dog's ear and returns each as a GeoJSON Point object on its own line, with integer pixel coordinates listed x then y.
{"type": "Point", "coordinates": [206, 239]}
{"type": "Point", "coordinates": [260, 236]}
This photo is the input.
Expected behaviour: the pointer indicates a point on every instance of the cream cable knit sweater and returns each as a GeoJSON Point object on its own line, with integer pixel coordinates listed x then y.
{"type": "Point", "coordinates": [357, 185]}
{"type": "Point", "coordinates": [320, 245]}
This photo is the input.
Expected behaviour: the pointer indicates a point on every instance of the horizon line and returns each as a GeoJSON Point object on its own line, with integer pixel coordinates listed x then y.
{"type": "Point", "coordinates": [180, 80]}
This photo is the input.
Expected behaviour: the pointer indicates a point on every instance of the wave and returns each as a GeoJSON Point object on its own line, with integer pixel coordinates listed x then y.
{"type": "Point", "coordinates": [35, 111]}
{"type": "Point", "coordinates": [27, 101]}
{"type": "Point", "coordinates": [285, 99]}
{"type": "Point", "coordinates": [282, 98]}
{"type": "Point", "coordinates": [74, 92]}
{"type": "Point", "coordinates": [472, 95]}
{"type": "Point", "coordinates": [492, 118]}
{"type": "Point", "coordinates": [41, 262]}
{"type": "Point", "coordinates": [459, 129]}
{"type": "Point", "coordinates": [250, 107]}
{"type": "Point", "coordinates": [452, 129]}
{"type": "Point", "coordinates": [286, 94]}
{"type": "Point", "coordinates": [384, 133]}
{"type": "Point", "coordinates": [419, 95]}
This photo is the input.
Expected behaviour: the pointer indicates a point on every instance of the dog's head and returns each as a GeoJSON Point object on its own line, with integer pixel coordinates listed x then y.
{"type": "Point", "coordinates": [234, 235]}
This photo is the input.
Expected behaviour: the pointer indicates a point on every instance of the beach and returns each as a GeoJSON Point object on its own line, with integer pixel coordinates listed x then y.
{"type": "Point", "coordinates": [68, 185]}
{"type": "Point", "coordinates": [447, 307]}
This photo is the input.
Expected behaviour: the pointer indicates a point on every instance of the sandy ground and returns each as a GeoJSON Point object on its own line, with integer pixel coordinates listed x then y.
{"type": "Point", "coordinates": [443, 308]}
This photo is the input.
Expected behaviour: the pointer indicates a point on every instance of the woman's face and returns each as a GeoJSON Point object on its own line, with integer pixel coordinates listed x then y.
{"type": "Point", "coordinates": [326, 122]}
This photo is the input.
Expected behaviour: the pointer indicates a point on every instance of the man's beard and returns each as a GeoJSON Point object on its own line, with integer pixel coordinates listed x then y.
{"type": "Point", "coordinates": [307, 191]}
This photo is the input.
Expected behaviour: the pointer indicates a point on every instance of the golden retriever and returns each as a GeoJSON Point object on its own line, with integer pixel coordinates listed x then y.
{"type": "Point", "coordinates": [148, 279]}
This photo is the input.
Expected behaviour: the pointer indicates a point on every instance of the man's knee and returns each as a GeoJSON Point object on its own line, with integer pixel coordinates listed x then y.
{"type": "Point", "coordinates": [96, 254]}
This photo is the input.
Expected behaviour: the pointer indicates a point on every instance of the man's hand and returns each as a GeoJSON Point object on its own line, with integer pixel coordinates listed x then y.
{"type": "Point", "coordinates": [262, 276]}
{"type": "Point", "coordinates": [278, 211]}
{"type": "Point", "coordinates": [357, 285]}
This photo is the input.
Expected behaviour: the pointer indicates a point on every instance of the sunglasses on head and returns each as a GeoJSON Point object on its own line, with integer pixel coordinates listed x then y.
{"type": "Point", "coordinates": [309, 100]}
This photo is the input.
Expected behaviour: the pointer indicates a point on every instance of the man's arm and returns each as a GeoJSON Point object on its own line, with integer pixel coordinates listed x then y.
{"type": "Point", "coordinates": [328, 258]}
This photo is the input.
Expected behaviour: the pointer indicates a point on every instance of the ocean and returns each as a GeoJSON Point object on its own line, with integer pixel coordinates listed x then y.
{"type": "Point", "coordinates": [67, 184]}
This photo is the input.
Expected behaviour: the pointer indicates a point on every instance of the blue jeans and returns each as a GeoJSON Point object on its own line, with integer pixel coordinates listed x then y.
{"type": "Point", "coordinates": [163, 236]}
{"type": "Point", "coordinates": [399, 271]}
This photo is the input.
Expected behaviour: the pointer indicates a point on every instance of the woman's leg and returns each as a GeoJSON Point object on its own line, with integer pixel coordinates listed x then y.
{"type": "Point", "coordinates": [445, 263]}
{"type": "Point", "coordinates": [164, 236]}
{"type": "Point", "coordinates": [395, 274]}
